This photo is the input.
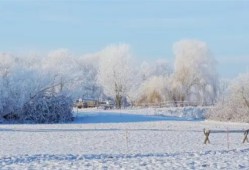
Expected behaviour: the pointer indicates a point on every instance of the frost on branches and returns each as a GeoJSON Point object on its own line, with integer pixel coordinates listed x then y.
{"type": "Point", "coordinates": [116, 74]}
{"type": "Point", "coordinates": [29, 94]}
{"type": "Point", "coordinates": [235, 105]}
{"type": "Point", "coordinates": [195, 78]}
{"type": "Point", "coordinates": [47, 108]}
{"type": "Point", "coordinates": [193, 81]}
{"type": "Point", "coordinates": [35, 82]}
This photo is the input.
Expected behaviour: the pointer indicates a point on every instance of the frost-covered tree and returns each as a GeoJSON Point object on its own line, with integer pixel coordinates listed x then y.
{"type": "Point", "coordinates": [195, 77]}
{"type": "Point", "coordinates": [23, 83]}
{"type": "Point", "coordinates": [7, 94]}
{"type": "Point", "coordinates": [235, 106]}
{"type": "Point", "coordinates": [86, 85]}
{"type": "Point", "coordinates": [61, 67]}
{"type": "Point", "coordinates": [154, 90]}
{"type": "Point", "coordinates": [222, 89]}
{"type": "Point", "coordinates": [157, 68]}
{"type": "Point", "coordinates": [78, 75]}
{"type": "Point", "coordinates": [116, 74]}
{"type": "Point", "coordinates": [153, 85]}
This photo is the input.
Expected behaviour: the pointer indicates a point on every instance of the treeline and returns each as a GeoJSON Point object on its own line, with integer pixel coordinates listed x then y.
{"type": "Point", "coordinates": [41, 89]}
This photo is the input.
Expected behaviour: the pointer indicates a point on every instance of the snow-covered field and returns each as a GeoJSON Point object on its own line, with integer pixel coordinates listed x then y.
{"type": "Point", "coordinates": [118, 140]}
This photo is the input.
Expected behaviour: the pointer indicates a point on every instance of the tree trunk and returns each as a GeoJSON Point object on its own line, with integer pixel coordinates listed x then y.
{"type": "Point", "coordinates": [118, 101]}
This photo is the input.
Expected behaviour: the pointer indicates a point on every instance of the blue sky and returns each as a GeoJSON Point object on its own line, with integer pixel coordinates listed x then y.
{"type": "Point", "coordinates": [151, 27]}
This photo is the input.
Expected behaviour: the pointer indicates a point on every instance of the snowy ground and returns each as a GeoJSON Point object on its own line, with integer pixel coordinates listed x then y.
{"type": "Point", "coordinates": [117, 140]}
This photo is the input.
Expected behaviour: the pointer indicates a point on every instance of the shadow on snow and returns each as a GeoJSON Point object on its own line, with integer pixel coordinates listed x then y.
{"type": "Point", "coordinates": [123, 118]}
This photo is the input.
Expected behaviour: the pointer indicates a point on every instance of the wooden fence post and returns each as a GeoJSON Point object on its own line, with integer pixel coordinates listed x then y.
{"type": "Point", "coordinates": [206, 133]}
{"type": "Point", "coordinates": [246, 138]}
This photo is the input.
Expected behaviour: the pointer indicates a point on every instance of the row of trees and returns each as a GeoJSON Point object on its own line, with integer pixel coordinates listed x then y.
{"type": "Point", "coordinates": [193, 78]}
{"type": "Point", "coordinates": [35, 82]}
{"type": "Point", "coordinates": [36, 85]}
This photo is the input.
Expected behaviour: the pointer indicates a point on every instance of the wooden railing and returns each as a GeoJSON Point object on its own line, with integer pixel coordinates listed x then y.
{"type": "Point", "coordinates": [172, 104]}
{"type": "Point", "coordinates": [207, 133]}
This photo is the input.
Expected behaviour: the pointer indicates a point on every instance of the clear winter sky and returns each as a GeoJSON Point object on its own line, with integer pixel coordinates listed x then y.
{"type": "Point", "coordinates": [150, 27]}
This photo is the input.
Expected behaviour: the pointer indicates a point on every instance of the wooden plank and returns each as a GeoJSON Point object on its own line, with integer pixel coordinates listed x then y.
{"type": "Point", "coordinates": [227, 131]}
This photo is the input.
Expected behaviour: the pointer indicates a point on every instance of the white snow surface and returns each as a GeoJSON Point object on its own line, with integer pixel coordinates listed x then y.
{"type": "Point", "coordinates": [127, 139]}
